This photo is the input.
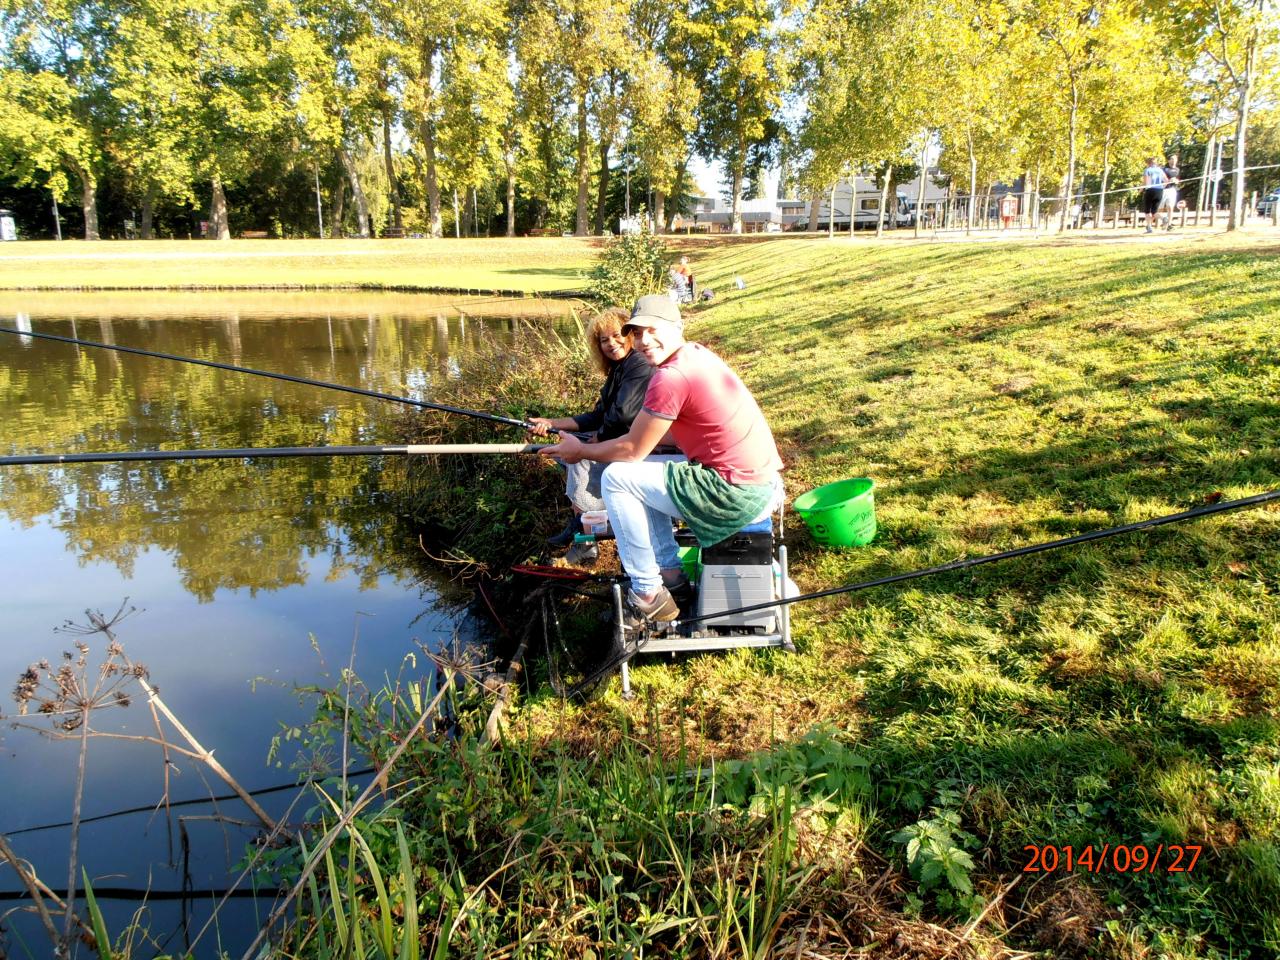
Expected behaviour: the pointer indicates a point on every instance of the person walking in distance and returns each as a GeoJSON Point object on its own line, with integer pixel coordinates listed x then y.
{"type": "Point", "coordinates": [1153, 180]}
{"type": "Point", "coordinates": [1169, 198]}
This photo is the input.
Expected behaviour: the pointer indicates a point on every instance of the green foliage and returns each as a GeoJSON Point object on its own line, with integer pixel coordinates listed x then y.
{"type": "Point", "coordinates": [490, 511]}
{"type": "Point", "coordinates": [937, 856]}
{"type": "Point", "coordinates": [629, 851]}
{"type": "Point", "coordinates": [631, 266]}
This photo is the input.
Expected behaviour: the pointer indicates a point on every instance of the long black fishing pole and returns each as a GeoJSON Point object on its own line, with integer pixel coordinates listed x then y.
{"type": "Point", "coordinates": [444, 408]}
{"type": "Point", "coordinates": [247, 453]}
{"type": "Point", "coordinates": [1222, 506]}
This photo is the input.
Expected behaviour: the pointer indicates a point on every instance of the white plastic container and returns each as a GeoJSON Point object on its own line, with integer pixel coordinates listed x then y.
{"type": "Point", "coordinates": [595, 523]}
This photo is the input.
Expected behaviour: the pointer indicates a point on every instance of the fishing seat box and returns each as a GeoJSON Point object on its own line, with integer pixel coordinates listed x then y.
{"type": "Point", "coordinates": [738, 572]}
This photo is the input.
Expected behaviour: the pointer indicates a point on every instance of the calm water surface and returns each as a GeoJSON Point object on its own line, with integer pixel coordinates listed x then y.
{"type": "Point", "coordinates": [249, 578]}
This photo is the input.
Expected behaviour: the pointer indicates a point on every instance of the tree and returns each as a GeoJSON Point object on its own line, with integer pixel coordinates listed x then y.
{"type": "Point", "coordinates": [52, 98]}
{"type": "Point", "coordinates": [1240, 39]}
{"type": "Point", "coordinates": [740, 55]}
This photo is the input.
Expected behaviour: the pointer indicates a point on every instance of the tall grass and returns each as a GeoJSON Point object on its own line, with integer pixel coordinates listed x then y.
{"type": "Point", "coordinates": [530, 851]}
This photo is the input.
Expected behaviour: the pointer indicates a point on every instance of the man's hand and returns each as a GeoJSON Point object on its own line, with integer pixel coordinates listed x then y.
{"type": "Point", "coordinates": [569, 449]}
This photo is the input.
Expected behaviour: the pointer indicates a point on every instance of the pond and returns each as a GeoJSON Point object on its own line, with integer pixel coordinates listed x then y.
{"type": "Point", "coordinates": [249, 578]}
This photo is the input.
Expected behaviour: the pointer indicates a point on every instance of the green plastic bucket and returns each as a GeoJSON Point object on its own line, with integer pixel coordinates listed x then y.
{"type": "Point", "coordinates": [691, 560]}
{"type": "Point", "coordinates": [840, 514]}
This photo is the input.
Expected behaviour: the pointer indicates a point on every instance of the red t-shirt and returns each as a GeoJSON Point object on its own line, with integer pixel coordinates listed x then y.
{"type": "Point", "coordinates": [714, 418]}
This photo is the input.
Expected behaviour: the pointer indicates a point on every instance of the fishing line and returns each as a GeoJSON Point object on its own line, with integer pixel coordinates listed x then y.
{"type": "Point", "coordinates": [1222, 506]}
{"type": "Point", "coordinates": [360, 391]}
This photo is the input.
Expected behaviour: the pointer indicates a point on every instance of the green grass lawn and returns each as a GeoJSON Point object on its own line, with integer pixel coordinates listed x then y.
{"type": "Point", "coordinates": [1126, 692]}
{"type": "Point", "coordinates": [533, 265]}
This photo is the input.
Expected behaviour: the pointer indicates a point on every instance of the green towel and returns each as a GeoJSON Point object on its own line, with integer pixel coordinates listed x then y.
{"type": "Point", "coordinates": [713, 507]}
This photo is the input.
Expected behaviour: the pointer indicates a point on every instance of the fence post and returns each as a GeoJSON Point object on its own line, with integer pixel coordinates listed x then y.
{"type": "Point", "coordinates": [1183, 224]}
{"type": "Point", "coordinates": [1275, 212]}
{"type": "Point", "coordinates": [1115, 217]}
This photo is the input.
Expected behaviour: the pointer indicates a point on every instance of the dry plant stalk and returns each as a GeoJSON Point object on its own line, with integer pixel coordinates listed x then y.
{"type": "Point", "coordinates": [68, 695]}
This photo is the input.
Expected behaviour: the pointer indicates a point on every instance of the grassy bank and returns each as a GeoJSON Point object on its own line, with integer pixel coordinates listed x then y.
{"type": "Point", "coordinates": [1124, 693]}
{"type": "Point", "coordinates": [880, 792]}
{"type": "Point", "coordinates": [531, 265]}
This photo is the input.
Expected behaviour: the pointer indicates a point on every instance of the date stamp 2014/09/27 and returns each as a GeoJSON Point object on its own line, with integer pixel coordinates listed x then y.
{"type": "Point", "coordinates": [1109, 858]}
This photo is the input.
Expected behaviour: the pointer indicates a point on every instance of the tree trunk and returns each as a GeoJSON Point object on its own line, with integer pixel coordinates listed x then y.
{"type": "Point", "coordinates": [677, 191]}
{"type": "Point", "coordinates": [831, 215]}
{"type": "Point", "coordinates": [396, 220]}
{"type": "Point", "coordinates": [1035, 200]}
{"type": "Point", "coordinates": [659, 211]}
{"type": "Point", "coordinates": [1106, 176]}
{"type": "Point", "coordinates": [1202, 191]}
{"type": "Point", "coordinates": [357, 193]}
{"type": "Point", "coordinates": [885, 178]}
{"type": "Point", "coordinates": [1244, 95]}
{"type": "Point", "coordinates": [89, 203]}
{"type": "Point", "coordinates": [457, 217]}
{"type": "Point", "coordinates": [735, 218]}
{"type": "Point", "coordinates": [973, 183]}
{"type": "Point", "coordinates": [149, 212]}
{"type": "Point", "coordinates": [815, 208]}
{"type": "Point", "coordinates": [338, 209]}
{"type": "Point", "coordinates": [219, 229]}
{"type": "Point", "coordinates": [427, 134]}
{"type": "Point", "coordinates": [924, 172]}
{"type": "Point", "coordinates": [510, 159]}
{"type": "Point", "coordinates": [1068, 180]}
{"type": "Point", "coordinates": [584, 172]}
{"type": "Point", "coordinates": [602, 193]}
{"type": "Point", "coordinates": [475, 213]}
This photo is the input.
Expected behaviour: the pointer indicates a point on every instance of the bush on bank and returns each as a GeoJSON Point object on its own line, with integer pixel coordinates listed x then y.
{"type": "Point", "coordinates": [485, 512]}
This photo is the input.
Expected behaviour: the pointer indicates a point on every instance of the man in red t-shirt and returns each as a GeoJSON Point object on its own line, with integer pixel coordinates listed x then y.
{"type": "Point", "coordinates": [731, 478]}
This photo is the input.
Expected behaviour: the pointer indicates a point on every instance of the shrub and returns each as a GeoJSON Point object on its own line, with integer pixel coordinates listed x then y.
{"type": "Point", "coordinates": [632, 265]}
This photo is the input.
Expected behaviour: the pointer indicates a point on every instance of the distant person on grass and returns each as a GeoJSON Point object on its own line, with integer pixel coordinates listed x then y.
{"type": "Point", "coordinates": [729, 481]}
{"type": "Point", "coordinates": [1153, 181]}
{"type": "Point", "coordinates": [682, 280]}
{"type": "Point", "coordinates": [1169, 198]}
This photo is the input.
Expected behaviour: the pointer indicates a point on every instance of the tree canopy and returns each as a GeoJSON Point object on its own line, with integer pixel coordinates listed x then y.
{"type": "Point", "coordinates": [490, 116]}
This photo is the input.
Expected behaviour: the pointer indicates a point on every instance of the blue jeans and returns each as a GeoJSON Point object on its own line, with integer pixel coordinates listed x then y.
{"type": "Point", "coordinates": [640, 513]}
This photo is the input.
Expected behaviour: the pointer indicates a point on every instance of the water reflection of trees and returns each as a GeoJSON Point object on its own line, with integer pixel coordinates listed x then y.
{"type": "Point", "coordinates": [227, 524]}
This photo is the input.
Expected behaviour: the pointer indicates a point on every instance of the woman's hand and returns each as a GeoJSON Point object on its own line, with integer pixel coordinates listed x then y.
{"type": "Point", "coordinates": [540, 426]}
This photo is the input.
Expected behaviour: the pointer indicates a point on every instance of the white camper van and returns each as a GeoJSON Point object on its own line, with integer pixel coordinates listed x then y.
{"type": "Point", "coordinates": [861, 202]}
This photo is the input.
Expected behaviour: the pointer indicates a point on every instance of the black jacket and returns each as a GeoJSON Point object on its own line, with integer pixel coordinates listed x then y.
{"type": "Point", "coordinates": [621, 398]}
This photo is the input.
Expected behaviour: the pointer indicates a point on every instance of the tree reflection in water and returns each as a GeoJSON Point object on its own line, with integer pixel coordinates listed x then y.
{"type": "Point", "coordinates": [58, 398]}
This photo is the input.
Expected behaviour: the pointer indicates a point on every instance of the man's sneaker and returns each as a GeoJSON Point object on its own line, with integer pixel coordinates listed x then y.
{"type": "Point", "coordinates": [661, 609]}
{"type": "Point", "coordinates": [1148, 228]}
{"type": "Point", "coordinates": [583, 553]}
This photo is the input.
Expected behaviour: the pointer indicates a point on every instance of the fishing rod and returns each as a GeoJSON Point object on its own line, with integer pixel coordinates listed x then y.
{"type": "Point", "coordinates": [244, 453]}
{"type": "Point", "coordinates": [1222, 506]}
{"type": "Point", "coordinates": [442, 407]}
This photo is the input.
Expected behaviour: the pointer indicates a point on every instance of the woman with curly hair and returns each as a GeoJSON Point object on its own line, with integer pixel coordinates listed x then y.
{"type": "Point", "coordinates": [626, 378]}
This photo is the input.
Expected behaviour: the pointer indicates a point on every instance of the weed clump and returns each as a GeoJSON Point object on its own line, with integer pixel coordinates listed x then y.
{"type": "Point", "coordinates": [483, 512]}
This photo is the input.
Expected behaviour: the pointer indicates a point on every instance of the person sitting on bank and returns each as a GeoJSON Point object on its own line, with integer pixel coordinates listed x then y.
{"type": "Point", "coordinates": [682, 280]}
{"type": "Point", "coordinates": [731, 478]}
{"type": "Point", "coordinates": [626, 377]}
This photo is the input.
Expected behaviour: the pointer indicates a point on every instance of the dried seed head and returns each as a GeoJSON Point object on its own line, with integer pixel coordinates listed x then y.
{"type": "Point", "coordinates": [26, 688]}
